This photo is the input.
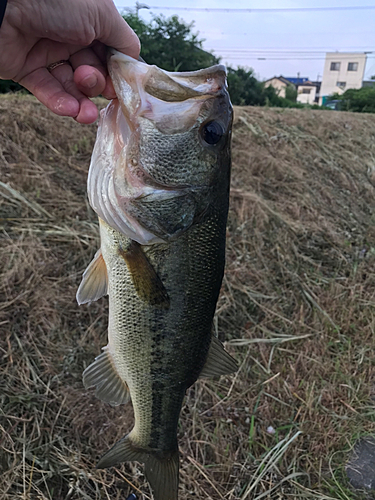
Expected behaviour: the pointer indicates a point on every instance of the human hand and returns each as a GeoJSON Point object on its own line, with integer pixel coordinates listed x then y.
{"type": "Point", "coordinates": [34, 35]}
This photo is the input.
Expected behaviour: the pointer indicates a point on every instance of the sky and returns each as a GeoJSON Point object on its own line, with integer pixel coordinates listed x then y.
{"type": "Point", "coordinates": [288, 43]}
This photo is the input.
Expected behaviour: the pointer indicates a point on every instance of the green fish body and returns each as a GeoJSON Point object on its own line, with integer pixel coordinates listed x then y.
{"type": "Point", "coordinates": [159, 181]}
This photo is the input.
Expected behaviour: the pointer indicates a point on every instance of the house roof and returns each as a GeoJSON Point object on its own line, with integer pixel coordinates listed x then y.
{"type": "Point", "coordinates": [281, 78]}
{"type": "Point", "coordinates": [297, 80]}
{"type": "Point", "coordinates": [290, 80]}
{"type": "Point", "coordinates": [307, 84]}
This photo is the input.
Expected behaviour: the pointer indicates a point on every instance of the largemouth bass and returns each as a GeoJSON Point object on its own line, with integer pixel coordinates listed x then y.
{"type": "Point", "coordinates": [159, 182]}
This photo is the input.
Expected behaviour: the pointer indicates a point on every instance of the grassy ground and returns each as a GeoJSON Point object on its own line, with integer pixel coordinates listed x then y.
{"type": "Point", "coordinates": [296, 309]}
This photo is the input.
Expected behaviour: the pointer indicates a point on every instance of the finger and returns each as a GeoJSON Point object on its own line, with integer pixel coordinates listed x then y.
{"type": "Point", "coordinates": [50, 92]}
{"type": "Point", "coordinates": [109, 90]}
{"type": "Point", "coordinates": [89, 72]}
{"type": "Point", "coordinates": [89, 80]}
{"type": "Point", "coordinates": [101, 52]}
{"type": "Point", "coordinates": [87, 112]}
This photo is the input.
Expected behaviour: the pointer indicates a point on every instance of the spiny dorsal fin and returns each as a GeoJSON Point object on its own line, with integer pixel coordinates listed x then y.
{"type": "Point", "coordinates": [103, 375]}
{"type": "Point", "coordinates": [218, 362]}
{"type": "Point", "coordinates": [147, 283]}
{"type": "Point", "coordinates": [94, 282]}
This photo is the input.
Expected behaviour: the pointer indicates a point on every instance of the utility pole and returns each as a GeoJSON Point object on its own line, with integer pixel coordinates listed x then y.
{"type": "Point", "coordinates": [139, 6]}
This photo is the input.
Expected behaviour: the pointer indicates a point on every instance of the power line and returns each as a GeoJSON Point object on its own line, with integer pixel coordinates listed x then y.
{"type": "Point", "coordinates": [308, 49]}
{"type": "Point", "coordinates": [261, 58]}
{"type": "Point", "coordinates": [291, 51]}
{"type": "Point", "coordinates": [242, 11]}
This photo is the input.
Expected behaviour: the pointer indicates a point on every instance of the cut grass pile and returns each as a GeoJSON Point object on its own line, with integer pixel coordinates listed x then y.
{"type": "Point", "coordinates": [296, 309]}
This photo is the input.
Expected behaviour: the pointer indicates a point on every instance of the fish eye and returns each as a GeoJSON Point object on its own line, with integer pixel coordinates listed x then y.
{"type": "Point", "coordinates": [212, 132]}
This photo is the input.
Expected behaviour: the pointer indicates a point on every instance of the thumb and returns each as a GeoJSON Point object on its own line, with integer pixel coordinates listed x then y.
{"type": "Point", "coordinates": [115, 32]}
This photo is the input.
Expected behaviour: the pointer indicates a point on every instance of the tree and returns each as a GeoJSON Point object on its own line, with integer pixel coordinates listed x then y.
{"type": "Point", "coordinates": [358, 100]}
{"type": "Point", "coordinates": [291, 93]}
{"type": "Point", "coordinates": [170, 44]}
{"type": "Point", "coordinates": [244, 88]}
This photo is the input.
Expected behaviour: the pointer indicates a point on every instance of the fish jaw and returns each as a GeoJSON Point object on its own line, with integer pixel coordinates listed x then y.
{"type": "Point", "coordinates": [136, 170]}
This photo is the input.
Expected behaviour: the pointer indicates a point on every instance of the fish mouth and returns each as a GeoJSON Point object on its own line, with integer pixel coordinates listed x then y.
{"type": "Point", "coordinates": [172, 103]}
{"type": "Point", "coordinates": [171, 100]}
{"type": "Point", "coordinates": [166, 85]}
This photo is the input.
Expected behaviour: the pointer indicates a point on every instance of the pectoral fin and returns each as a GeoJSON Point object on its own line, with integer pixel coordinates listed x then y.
{"type": "Point", "coordinates": [218, 362]}
{"type": "Point", "coordinates": [94, 282]}
{"type": "Point", "coordinates": [145, 279]}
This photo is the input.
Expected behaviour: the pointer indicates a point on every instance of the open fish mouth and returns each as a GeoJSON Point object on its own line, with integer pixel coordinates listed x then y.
{"type": "Point", "coordinates": [156, 114]}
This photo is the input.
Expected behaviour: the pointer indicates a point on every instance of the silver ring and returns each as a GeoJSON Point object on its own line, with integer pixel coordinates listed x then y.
{"type": "Point", "coordinates": [57, 64]}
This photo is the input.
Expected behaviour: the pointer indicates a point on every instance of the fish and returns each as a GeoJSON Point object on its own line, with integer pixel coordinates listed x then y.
{"type": "Point", "coordinates": [159, 182]}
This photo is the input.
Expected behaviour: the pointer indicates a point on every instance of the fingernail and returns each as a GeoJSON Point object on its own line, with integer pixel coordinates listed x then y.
{"type": "Point", "coordinates": [89, 81]}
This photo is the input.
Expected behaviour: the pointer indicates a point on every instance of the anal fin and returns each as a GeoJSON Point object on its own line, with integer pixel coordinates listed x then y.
{"type": "Point", "coordinates": [103, 375]}
{"type": "Point", "coordinates": [122, 451]}
{"type": "Point", "coordinates": [218, 362]}
{"type": "Point", "coordinates": [94, 284]}
{"type": "Point", "coordinates": [145, 279]}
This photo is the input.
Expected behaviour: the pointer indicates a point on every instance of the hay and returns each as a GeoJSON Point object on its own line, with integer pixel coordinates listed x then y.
{"type": "Point", "coordinates": [297, 310]}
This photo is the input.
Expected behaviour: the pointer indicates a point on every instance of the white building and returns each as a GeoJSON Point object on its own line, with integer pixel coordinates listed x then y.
{"type": "Point", "coordinates": [342, 71]}
{"type": "Point", "coordinates": [306, 90]}
{"type": "Point", "coordinates": [306, 93]}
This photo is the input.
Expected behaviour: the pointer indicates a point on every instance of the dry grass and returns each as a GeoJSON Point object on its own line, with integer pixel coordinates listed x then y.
{"type": "Point", "coordinates": [297, 308]}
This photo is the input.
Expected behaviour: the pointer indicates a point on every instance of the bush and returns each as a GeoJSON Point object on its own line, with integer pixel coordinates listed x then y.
{"type": "Point", "coordinates": [358, 100]}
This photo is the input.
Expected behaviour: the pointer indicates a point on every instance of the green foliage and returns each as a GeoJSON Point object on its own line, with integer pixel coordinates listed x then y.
{"type": "Point", "coordinates": [358, 100]}
{"type": "Point", "coordinates": [246, 90]}
{"type": "Point", "coordinates": [291, 93]}
{"type": "Point", "coordinates": [9, 86]}
{"type": "Point", "coordinates": [170, 44]}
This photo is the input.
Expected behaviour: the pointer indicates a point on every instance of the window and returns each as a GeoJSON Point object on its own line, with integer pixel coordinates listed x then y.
{"type": "Point", "coordinates": [341, 85]}
{"type": "Point", "coordinates": [352, 66]}
{"type": "Point", "coordinates": [306, 91]}
{"type": "Point", "coordinates": [335, 66]}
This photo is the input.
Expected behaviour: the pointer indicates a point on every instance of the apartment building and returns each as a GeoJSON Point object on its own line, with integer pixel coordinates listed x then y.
{"type": "Point", "coordinates": [342, 71]}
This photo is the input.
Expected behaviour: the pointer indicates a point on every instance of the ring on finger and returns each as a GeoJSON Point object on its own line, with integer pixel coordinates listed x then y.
{"type": "Point", "coordinates": [56, 64]}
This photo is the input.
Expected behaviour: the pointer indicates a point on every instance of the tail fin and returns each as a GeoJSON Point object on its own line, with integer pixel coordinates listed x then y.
{"type": "Point", "coordinates": [161, 469]}
{"type": "Point", "coordinates": [162, 474]}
